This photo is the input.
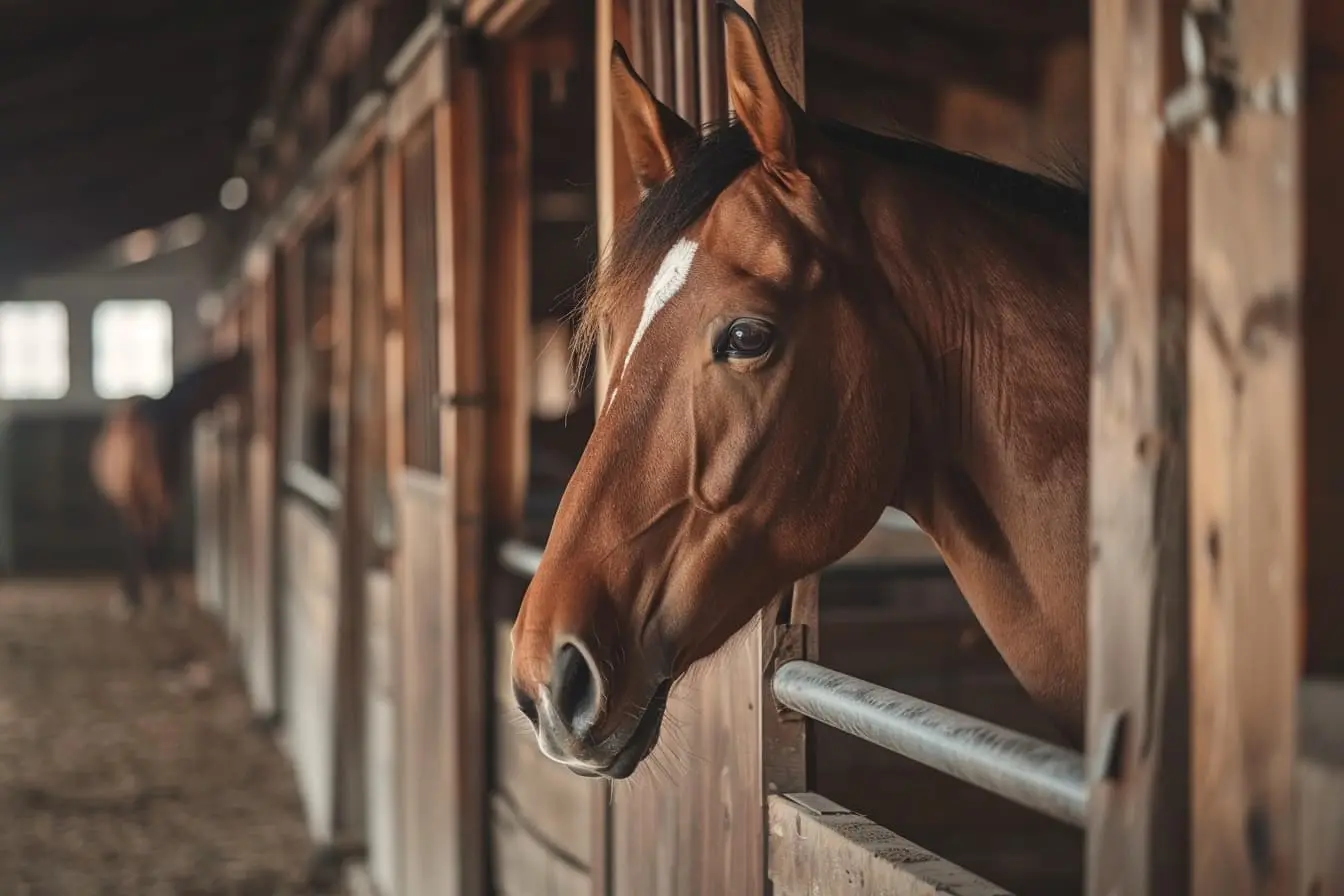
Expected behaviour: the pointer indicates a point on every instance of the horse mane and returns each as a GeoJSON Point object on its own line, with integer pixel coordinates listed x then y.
{"type": "Point", "coordinates": [723, 151]}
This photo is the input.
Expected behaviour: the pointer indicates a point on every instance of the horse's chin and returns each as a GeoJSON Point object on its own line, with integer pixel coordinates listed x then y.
{"type": "Point", "coordinates": [642, 740]}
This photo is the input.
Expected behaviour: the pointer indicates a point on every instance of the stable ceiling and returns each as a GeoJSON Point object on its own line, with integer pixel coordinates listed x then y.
{"type": "Point", "coordinates": [116, 116]}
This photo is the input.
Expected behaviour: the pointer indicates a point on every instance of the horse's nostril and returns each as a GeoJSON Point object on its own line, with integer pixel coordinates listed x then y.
{"type": "Point", "coordinates": [525, 703]}
{"type": "Point", "coordinates": [574, 689]}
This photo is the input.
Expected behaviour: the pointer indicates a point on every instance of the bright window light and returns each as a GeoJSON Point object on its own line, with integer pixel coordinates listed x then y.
{"type": "Point", "coordinates": [132, 348]}
{"type": "Point", "coordinates": [34, 350]}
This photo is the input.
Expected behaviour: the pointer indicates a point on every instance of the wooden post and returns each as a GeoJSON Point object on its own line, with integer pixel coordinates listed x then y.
{"type": "Point", "coordinates": [509, 261]}
{"type": "Point", "coordinates": [1138, 720]}
{"type": "Point", "coordinates": [1246, 433]}
{"type": "Point", "coordinates": [616, 194]}
{"type": "Point", "coordinates": [460, 194]}
{"type": "Point", "coordinates": [347, 464]}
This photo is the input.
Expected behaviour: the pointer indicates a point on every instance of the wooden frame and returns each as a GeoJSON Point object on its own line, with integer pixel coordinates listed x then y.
{"type": "Point", "coordinates": [1215, 477]}
{"type": "Point", "coordinates": [1139, 653]}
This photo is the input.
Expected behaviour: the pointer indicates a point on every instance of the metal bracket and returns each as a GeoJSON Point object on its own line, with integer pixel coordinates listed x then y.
{"type": "Point", "coordinates": [1212, 93]}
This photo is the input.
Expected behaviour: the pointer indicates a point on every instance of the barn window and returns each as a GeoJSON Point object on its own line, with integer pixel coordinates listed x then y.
{"type": "Point", "coordinates": [132, 348]}
{"type": "Point", "coordinates": [34, 350]}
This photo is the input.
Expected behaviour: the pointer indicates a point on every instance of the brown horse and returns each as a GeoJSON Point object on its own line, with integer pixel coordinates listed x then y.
{"type": "Point", "coordinates": [138, 458]}
{"type": "Point", "coordinates": [811, 323]}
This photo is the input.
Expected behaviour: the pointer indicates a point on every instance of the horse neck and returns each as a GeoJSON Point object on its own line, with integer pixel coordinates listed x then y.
{"type": "Point", "coordinates": [997, 475]}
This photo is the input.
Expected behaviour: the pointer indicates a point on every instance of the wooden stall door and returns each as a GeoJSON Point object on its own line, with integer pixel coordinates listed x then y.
{"type": "Point", "coordinates": [437, 431]}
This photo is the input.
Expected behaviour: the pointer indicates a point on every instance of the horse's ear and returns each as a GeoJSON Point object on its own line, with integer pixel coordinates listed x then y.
{"type": "Point", "coordinates": [655, 136]}
{"type": "Point", "coordinates": [759, 99]}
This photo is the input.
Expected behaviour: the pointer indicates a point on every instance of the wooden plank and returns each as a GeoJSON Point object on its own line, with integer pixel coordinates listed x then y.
{"type": "Point", "coordinates": [817, 847]}
{"type": "Point", "coordinates": [713, 105]}
{"type": "Point", "coordinates": [616, 190]}
{"type": "Point", "coordinates": [525, 867]}
{"type": "Point", "coordinates": [394, 307]}
{"type": "Point", "coordinates": [423, 515]}
{"type": "Point", "coordinates": [349, 375]}
{"type": "Point", "coordinates": [425, 86]}
{"type": "Point", "coordinates": [685, 59]}
{"type": "Point", "coordinates": [459, 188]}
{"type": "Point", "coordinates": [1246, 475]}
{"type": "Point", "coordinates": [381, 713]}
{"type": "Point", "coordinates": [1139, 659]}
{"type": "Point", "coordinates": [310, 658]}
{"type": "Point", "coordinates": [509, 266]}
{"type": "Point", "coordinates": [501, 19]}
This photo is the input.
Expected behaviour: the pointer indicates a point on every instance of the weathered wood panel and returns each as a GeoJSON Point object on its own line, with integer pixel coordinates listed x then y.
{"type": "Point", "coordinates": [427, 686]}
{"type": "Point", "coordinates": [509, 268]}
{"type": "Point", "coordinates": [524, 865]}
{"type": "Point", "coordinates": [419, 230]}
{"type": "Point", "coordinates": [1139, 654]}
{"type": "Point", "coordinates": [311, 604]}
{"type": "Point", "coordinates": [383, 744]}
{"type": "Point", "coordinates": [818, 847]}
{"type": "Point", "coordinates": [1246, 473]}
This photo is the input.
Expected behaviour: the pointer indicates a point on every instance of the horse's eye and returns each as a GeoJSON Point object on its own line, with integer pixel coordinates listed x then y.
{"type": "Point", "coordinates": [745, 338]}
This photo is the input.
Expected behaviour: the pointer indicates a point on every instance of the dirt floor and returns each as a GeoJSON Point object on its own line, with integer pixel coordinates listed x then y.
{"type": "Point", "coordinates": [129, 763]}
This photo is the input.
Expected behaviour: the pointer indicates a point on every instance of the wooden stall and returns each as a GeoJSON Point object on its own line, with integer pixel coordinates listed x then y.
{"type": "Point", "coordinates": [434, 179]}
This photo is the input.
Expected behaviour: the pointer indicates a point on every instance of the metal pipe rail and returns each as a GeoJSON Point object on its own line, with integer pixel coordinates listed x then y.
{"type": "Point", "coordinates": [1015, 766]}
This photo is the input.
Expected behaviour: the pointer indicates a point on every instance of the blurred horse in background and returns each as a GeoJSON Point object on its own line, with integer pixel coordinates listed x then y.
{"type": "Point", "coordinates": [137, 461]}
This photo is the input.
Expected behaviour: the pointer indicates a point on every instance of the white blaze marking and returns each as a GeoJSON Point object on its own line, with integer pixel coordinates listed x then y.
{"type": "Point", "coordinates": [669, 280]}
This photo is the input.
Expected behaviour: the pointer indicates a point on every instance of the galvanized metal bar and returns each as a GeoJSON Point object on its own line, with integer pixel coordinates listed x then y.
{"type": "Point", "coordinates": [1017, 767]}
{"type": "Point", "coordinates": [520, 558]}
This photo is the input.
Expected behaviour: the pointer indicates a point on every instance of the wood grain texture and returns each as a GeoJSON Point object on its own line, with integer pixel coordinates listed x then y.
{"type": "Point", "coordinates": [1245, 475]}
{"type": "Point", "coordinates": [818, 847]}
{"type": "Point", "coordinates": [460, 201]}
{"type": "Point", "coordinates": [509, 274]}
{"type": "Point", "coordinates": [418, 626]}
{"type": "Point", "coordinates": [1139, 624]}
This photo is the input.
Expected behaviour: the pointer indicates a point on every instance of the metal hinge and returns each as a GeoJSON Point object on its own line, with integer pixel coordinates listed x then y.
{"type": "Point", "coordinates": [1212, 92]}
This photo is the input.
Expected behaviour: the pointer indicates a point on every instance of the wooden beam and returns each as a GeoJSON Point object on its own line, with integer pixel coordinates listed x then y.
{"type": "Point", "coordinates": [1138, 720]}
{"type": "Point", "coordinates": [817, 846]}
{"type": "Point", "coordinates": [459, 178]}
{"type": "Point", "coordinates": [1246, 433]}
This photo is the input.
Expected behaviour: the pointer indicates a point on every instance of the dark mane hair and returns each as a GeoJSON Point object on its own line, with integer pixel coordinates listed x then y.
{"type": "Point", "coordinates": [721, 154]}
